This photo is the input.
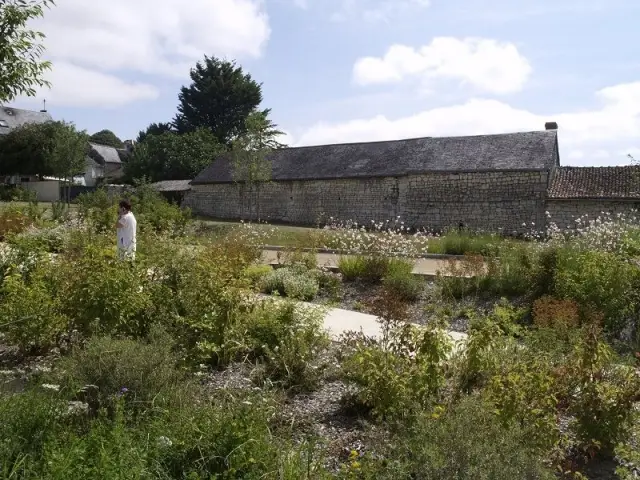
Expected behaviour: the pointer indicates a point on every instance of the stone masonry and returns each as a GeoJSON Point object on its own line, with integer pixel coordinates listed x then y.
{"type": "Point", "coordinates": [495, 201]}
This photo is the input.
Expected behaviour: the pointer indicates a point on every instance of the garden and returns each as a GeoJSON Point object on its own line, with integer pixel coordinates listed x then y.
{"type": "Point", "coordinates": [200, 361]}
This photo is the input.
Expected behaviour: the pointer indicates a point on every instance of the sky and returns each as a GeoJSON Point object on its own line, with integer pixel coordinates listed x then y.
{"type": "Point", "coordinates": [338, 71]}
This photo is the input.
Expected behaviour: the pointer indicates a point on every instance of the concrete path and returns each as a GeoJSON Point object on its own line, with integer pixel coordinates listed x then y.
{"type": "Point", "coordinates": [423, 266]}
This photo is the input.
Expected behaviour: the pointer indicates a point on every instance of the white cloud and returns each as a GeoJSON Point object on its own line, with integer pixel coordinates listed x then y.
{"type": "Point", "coordinates": [372, 11]}
{"type": "Point", "coordinates": [488, 65]}
{"type": "Point", "coordinates": [90, 88]}
{"type": "Point", "coordinates": [156, 37]}
{"type": "Point", "coordinates": [586, 137]}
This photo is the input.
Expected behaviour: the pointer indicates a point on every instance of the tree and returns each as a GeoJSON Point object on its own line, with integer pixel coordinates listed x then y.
{"type": "Point", "coordinates": [68, 157]}
{"type": "Point", "coordinates": [106, 137]}
{"type": "Point", "coordinates": [26, 150]}
{"type": "Point", "coordinates": [154, 129]}
{"type": "Point", "coordinates": [251, 164]}
{"type": "Point", "coordinates": [171, 156]}
{"type": "Point", "coordinates": [220, 98]}
{"type": "Point", "coordinates": [21, 69]}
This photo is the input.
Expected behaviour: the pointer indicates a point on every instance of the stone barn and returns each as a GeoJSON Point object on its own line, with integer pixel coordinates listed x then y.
{"type": "Point", "coordinates": [486, 182]}
{"type": "Point", "coordinates": [575, 192]}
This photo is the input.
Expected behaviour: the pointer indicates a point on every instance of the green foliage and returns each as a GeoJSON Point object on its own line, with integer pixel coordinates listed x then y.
{"type": "Point", "coordinates": [402, 374]}
{"type": "Point", "coordinates": [464, 242]}
{"type": "Point", "coordinates": [42, 240]}
{"type": "Point", "coordinates": [26, 150]}
{"type": "Point", "coordinates": [600, 282]}
{"type": "Point", "coordinates": [106, 137]}
{"type": "Point", "coordinates": [406, 286]}
{"type": "Point", "coordinates": [256, 273]}
{"type": "Point", "coordinates": [32, 315]}
{"type": "Point", "coordinates": [145, 369]}
{"type": "Point", "coordinates": [462, 441]}
{"type": "Point", "coordinates": [13, 220]}
{"type": "Point", "coordinates": [171, 156]}
{"type": "Point", "coordinates": [220, 98]}
{"type": "Point", "coordinates": [104, 295]}
{"type": "Point", "coordinates": [20, 50]}
{"type": "Point", "coordinates": [154, 129]}
{"type": "Point", "coordinates": [292, 282]}
{"type": "Point", "coordinates": [372, 269]}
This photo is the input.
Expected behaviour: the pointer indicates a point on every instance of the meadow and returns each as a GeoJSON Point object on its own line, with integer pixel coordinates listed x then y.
{"type": "Point", "coordinates": [197, 362]}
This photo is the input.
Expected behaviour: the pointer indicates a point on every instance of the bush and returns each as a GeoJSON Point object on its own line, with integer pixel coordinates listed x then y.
{"type": "Point", "coordinates": [464, 242]}
{"type": "Point", "coordinates": [600, 282]}
{"type": "Point", "coordinates": [285, 339]}
{"type": "Point", "coordinates": [406, 286]}
{"type": "Point", "coordinates": [292, 282]}
{"type": "Point", "coordinates": [147, 369]}
{"type": "Point", "coordinates": [13, 220]}
{"type": "Point", "coordinates": [46, 240]}
{"type": "Point", "coordinates": [372, 269]}
{"type": "Point", "coordinates": [464, 441]}
{"type": "Point", "coordinates": [31, 314]}
{"type": "Point", "coordinates": [256, 273]}
{"type": "Point", "coordinates": [549, 312]}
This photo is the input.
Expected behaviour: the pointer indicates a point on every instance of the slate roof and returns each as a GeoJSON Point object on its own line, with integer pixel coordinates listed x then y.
{"type": "Point", "coordinates": [510, 151]}
{"type": "Point", "coordinates": [596, 182]}
{"type": "Point", "coordinates": [11, 118]}
{"type": "Point", "coordinates": [104, 153]}
{"type": "Point", "coordinates": [172, 185]}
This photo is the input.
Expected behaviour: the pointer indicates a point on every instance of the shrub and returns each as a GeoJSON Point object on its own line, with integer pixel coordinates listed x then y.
{"type": "Point", "coordinates": [285, 340]}
{"type": "Point", "coordinates": [46, 240]}
{"type": "Point", "coordinates": [372, 269]}
{"type": "Point", "coordinates": [600, 282]}
{"type": "Point", "coordinates": [292, 282]}
{"type": "Point", "coordinates": [555, 313]}
{"type": "Point", "coordinates": [463, 242]}
{"type": "Point", "coordinates": [256, 273]}
{"type": "Point", "coordinates": [32, 316]}
{"type": "Point", "coordinates": [463, 441]}
{"type": "Point", "coordinates": [406, 286]}
{"type": "Point", "coordinates": [13, 220]}
{"type": "Point", "coordinates": [104, 295]}
{"type": "Point", "coordinates": [402, 373]}
{"type": "Point", "coordinates": [147, 369]}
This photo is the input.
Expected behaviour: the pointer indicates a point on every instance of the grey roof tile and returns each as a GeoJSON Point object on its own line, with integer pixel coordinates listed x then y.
{"type": "Point", "coordinates": [510, 151]}
{"type": "Point", "coordinates": [172, 185]}
{"type": "Point", "coordinates": [596, 182]}
{"type": "Point", "coordinates": [11, 118]}
{"type": "Point", "coordinates": [105, 153]}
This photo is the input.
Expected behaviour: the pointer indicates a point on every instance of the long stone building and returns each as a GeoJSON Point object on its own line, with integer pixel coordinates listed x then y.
{"type": "Point", "coordinates": [506, 182]}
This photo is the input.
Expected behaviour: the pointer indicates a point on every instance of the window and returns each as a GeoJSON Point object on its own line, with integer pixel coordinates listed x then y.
{"type": "Point", "coordinates": [4, 124]}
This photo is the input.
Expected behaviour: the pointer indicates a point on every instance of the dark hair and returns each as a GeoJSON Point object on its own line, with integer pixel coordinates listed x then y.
{"type": "Point", "coordinates": [126, 204]}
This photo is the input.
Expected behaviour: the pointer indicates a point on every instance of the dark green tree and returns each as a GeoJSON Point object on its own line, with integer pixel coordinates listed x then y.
{"type": "Point", "coordinates": [68, 157]}
{"type": "Point", "coordinates": [171, 156]}
{"type": "Point", "coordinates": [154, 129]}
{"type": "Point", "coordinates": [106, 137]}
{"type": "Point", "coordinates": [251, 149]}
{"type": "Point", "coordinates": [21, 69]}
{"type": "Point", "coordinates": [221, 97]}
{"type": "Point", "coordinates": [27, 150]}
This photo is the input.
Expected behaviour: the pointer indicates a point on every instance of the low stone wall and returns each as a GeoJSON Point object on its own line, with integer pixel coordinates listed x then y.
{"type": "Point", "coordinates": [564, 213]}
{"type": "Point", "coordinates": [494, 201]}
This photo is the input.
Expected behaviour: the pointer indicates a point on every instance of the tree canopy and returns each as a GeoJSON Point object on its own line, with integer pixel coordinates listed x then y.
{"type": "Point", "coordinates": [221, 97]}
{"type": "Point", "coordinates": [154, 129]}
{"type": "Point", "coordinates": [171, 156]}
{"type": "Point", "coordinates": [21, 70]}
{"type": "Point", "coordinates": [106, 137]}
{"type": "Point", "coordinates": [50, 148]}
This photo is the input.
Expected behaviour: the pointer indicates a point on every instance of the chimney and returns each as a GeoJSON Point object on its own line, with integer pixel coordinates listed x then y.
{"type": "Point", "coordinates": [551, 126]}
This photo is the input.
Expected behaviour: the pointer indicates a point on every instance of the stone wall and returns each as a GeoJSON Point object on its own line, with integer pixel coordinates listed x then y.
{"type": "Point", "coordinates": [487, 201]}
{"type": "Point", "coordinates": [565, 212]}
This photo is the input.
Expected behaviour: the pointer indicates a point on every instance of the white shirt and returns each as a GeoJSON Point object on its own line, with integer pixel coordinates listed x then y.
{"type": "Point", "coordinates": [127, 234]}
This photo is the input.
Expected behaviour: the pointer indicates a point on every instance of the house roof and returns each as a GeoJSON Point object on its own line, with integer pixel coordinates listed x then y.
{"type": "Point", "coordinates": [510, 151]}
{"type": "Point", "coordinates": [172, 185]}
{"type": "Point", "coordinates": [104, 153]}
{"type": "Point", "coordinates": [596, 182]}
{"type": "Point", "coordinates": [11, 118]}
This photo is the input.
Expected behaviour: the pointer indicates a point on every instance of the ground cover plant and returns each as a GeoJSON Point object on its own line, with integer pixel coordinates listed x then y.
{"type": "Point", "coordinates": [197, 361]}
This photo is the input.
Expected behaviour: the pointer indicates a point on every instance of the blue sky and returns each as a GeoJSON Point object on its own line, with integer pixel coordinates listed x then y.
{"type": "Point", "coordinates": [362, 70]}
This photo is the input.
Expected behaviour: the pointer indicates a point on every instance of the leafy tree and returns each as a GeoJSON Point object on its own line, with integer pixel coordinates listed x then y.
{"type": "Point", "coordinates": [251, 164]}
{"type": "Point", "coordinates": [106, 137]}
{"type": "Point", "coordinates": [21, 69]}
{"type": "Point", "coordinates": [26, 150]}
{"type": "Point", "coordinates": [154, 129]}
{"type": "Point", "coordinates": [171, 156]}
{"type": "Point", "coordinates": [69, 154]}
{"type": "Point", "coordinates": [220, 98]}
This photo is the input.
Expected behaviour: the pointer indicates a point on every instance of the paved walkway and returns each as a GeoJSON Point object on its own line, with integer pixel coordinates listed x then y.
{"type": "Point", "coordinates": [423, 266]}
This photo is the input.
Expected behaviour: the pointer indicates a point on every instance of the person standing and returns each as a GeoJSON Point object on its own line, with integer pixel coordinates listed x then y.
{"type": "Point", "coordinates": [126, 230]}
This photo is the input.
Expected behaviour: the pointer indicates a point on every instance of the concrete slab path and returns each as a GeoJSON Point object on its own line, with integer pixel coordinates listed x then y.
{"type": "Point", "coordinates": [423, 266]}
